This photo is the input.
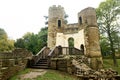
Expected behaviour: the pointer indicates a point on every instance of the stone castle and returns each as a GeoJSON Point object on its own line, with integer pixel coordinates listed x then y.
{"type": "Point", "coordinates": [82, 59]}
{"type": "Point", "coordinates": [85, 33]}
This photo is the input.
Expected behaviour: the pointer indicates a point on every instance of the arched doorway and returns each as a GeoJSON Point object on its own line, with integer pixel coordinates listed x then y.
{"type": "Point", "coordinates": [71, 42]}
{"type": "Point", "coordinates": [82, 48]}
{"type": "Point", "coordinates": [71, 45]}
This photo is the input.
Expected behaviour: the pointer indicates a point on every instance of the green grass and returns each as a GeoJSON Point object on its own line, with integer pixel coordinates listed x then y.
{"type": "Point", "coordinates": [108, 63]}
{"type": "Point", "coordinates": [16, 76]}
{"type": "Point", "coordinates": [49, 75]}
{"type": "Point", "coordinates": [56, 75]}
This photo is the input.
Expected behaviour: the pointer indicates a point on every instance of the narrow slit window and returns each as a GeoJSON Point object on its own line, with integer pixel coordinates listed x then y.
{"type": "Point", "coordinates": [59, 23]}
{"type": "Point", "coordinates": [80, 20]}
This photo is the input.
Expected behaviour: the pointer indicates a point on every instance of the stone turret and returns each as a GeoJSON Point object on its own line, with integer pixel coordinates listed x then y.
{"type": "Point", "coordinates": [55, 24]}
{"type": "Point", "coordinates": [91, 33]}
{"type": "Point", "coordinates": [87, 16]}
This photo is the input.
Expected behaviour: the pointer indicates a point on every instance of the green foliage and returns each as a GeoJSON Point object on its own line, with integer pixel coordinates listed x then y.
{"type": "Point", "coordinates": [20, 43]}
{"type": "Point", "coordinates": [33, 42]}
{"type": "Point", "coordinates": [105, 47]}
{"type": "Point", "coordinates": [108, 16]}
{"type": "Point", "coordinates": [71, 42]}
{"type": "Point", "coordinates": [108, 64]}
{"type": "Point", "coordinates": [5, 43]}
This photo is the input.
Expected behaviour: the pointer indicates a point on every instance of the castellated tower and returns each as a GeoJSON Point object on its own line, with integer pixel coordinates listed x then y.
{"type": "Point", "coordinates": [55, 24]}
{"type": "Point", "coordinates": [87, 17]}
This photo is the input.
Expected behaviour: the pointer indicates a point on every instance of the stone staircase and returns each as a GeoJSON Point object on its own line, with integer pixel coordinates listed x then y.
{"type": "Point", "coordinates": [41, 64]}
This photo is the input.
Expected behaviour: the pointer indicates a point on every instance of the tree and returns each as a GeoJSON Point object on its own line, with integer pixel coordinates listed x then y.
{"type": "Point", "coordinates": [108, 14]}
{"type": "Point", "coordinates": [42, 36]}
{"type": "Point", "coordinates": [19, 43]}
{"type": "Point", "coordinates": [5, 43]}
{"type": "Point", "coordinates": [33, 42]}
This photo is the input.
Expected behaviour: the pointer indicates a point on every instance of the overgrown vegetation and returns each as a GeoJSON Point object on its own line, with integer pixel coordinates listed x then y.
{"type": "Point", "coordinates": [108, 63]}
{"type": "Point", "coordinates": [108, 14]}
{"type": "Point", "coordinates": [6, 44]}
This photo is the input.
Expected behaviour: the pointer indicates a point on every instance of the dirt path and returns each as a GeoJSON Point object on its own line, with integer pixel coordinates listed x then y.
{"type": "Point", "coordinates": [33, 74]}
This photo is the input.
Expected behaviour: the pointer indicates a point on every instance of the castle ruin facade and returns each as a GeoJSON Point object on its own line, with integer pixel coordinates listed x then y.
{"type": "Point", "coordinates": [85, 33]}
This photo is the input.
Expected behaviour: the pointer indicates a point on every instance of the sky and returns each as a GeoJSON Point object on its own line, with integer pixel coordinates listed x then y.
{"type": "Point", "coordinates": [18, 17]}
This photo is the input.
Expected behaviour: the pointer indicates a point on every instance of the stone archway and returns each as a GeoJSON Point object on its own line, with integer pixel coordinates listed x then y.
{"type": "Point", "coordinates": [71, 42]}
{"type": "Point", "coordinates": [71, 45]}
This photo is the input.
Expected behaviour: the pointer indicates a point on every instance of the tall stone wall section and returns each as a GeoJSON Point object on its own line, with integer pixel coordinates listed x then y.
{"type": "Point", "coordinates": [13, 62]}
{"type": "Point", "coordinates": [55, 13]}
{"type": "Point", "coordinates": [91, 33]}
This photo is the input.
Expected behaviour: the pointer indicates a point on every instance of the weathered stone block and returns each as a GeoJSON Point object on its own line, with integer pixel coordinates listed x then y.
{"type": "Point", "coordinates": [69, 70]}
{"type": "Point", "coordinates": [5, 62]}
{"type": "Point", "coordinates": [11, 62]}
{"type": "Point", "coordinates": [53, 64]}
{"type": "Point", "coordinates": [19, 61]}
{"type": "Point", "coordinates": [96, 63]}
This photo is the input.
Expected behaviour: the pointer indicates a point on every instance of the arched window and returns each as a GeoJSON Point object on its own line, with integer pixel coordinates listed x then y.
{"type": "Point", "coordinates": [80, 20]}
{"type": "Point", "coordinates": [59, 23]}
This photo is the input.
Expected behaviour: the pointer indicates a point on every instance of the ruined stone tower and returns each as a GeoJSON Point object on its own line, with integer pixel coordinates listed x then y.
{"type": "Point", "coordinates": [91, 36]}
{"type": "Point", "coordinates": [55, 23]}
{"type": "Point", "coordinates": [85, 33]}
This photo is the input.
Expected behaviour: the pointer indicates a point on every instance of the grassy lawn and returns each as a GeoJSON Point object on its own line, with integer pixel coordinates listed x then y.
{"type": "Point", "coordinates": [56, 75]}
{"type": "Point", "coordinates": [49, 75]}
{"type": "Point", "coordinates": [108, 63]}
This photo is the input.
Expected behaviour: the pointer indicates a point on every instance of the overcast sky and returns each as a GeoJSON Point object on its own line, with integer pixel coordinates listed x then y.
{"type": "Point", "coordinates": [20, 16]}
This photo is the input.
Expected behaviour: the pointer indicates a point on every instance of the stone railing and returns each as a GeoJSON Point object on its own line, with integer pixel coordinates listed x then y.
{"type": "Point", "coordinates": [13, 62]}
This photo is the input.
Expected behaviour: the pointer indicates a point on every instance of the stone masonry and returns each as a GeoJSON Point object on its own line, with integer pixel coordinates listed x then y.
{"type": "Point", "coordinates": [84, 33]}
{"type": "Point", "coordinates": [13, 62]}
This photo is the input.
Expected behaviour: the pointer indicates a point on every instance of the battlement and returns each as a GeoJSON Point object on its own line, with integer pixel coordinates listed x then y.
{"type": "Point", "coordinates": [56, 12]}
{"type": "Point", "coordinates": [56, 7]}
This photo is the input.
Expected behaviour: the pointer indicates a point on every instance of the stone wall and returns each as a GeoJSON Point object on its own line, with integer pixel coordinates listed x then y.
{"type": "Point", "coordinates": [62, 39]}
{"type": "Point", "coordinates": [80, 67]}
{"type": "Point", "coordinates": [13, 62]}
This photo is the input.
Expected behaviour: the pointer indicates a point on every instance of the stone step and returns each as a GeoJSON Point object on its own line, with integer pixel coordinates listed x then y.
{"type": "Point", "coordinates": [40, 67]}
{"type": "Point", "coordinates": [41, 64]}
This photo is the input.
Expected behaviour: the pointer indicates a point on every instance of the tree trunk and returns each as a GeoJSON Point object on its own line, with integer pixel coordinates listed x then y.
{"type": "Point", "coordinates": [112, 48]}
